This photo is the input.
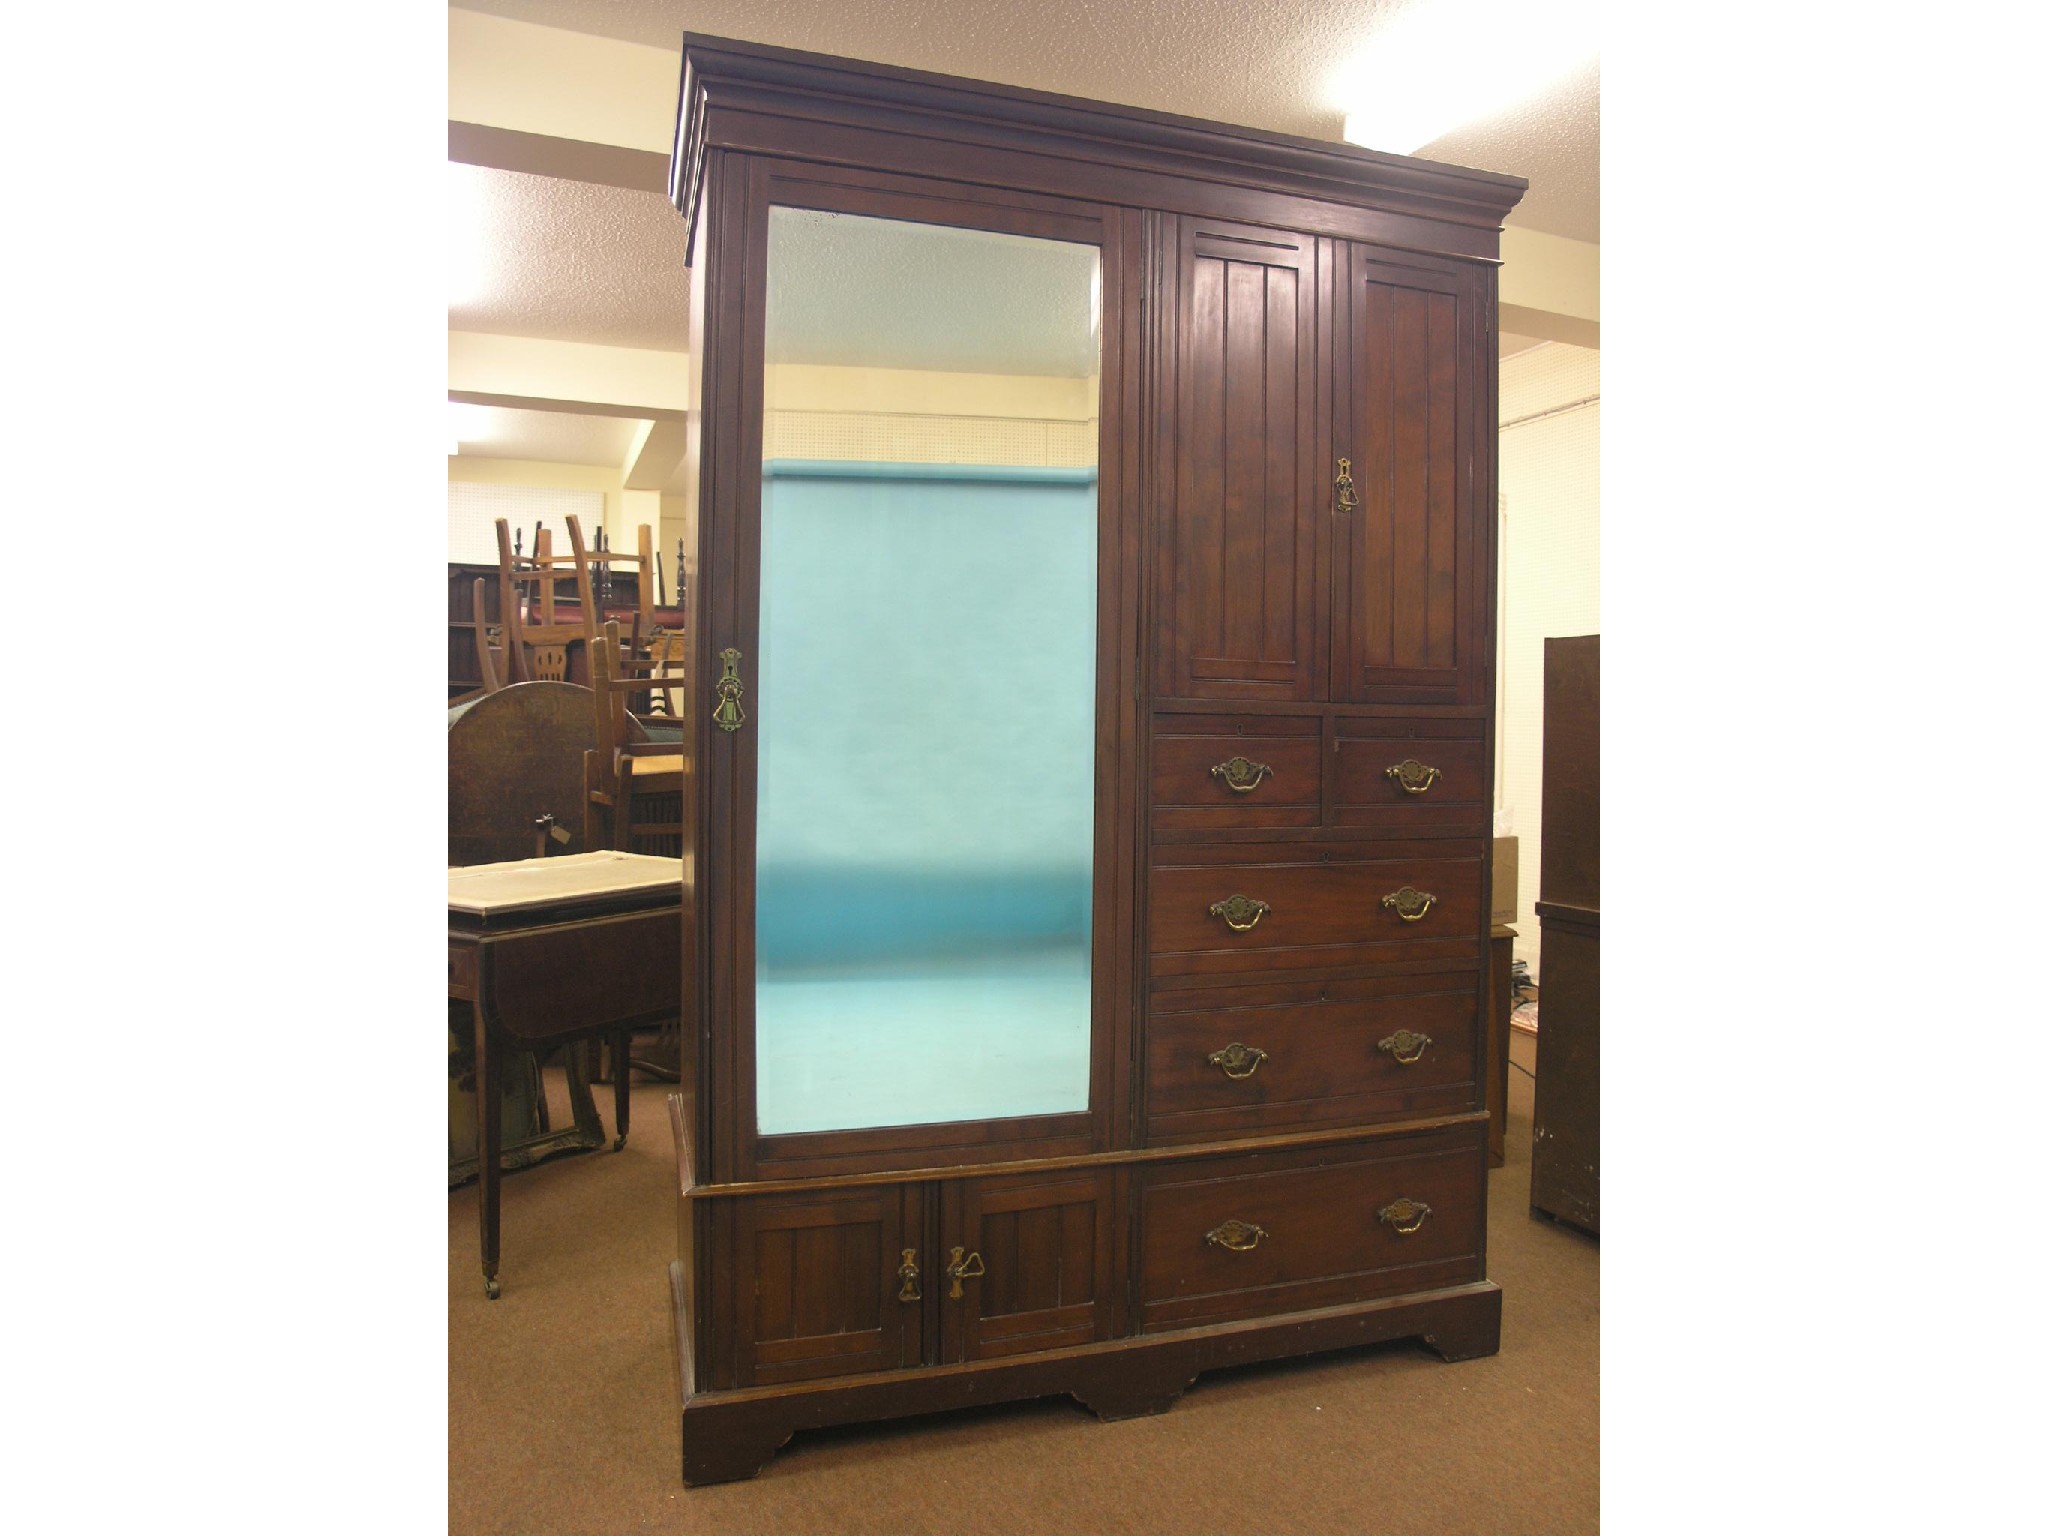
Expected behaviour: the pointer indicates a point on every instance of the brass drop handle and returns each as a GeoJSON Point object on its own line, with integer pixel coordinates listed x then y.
{"type": "Point", "coordinates": [1405, 1216]}
{"type": "Point", "coordinates": [1406, 1046]}
{"type": "Point", "coordinates": [963, 1269]}
{"type": "Point", "coordinates": [1241, 775]}
{"type": "Point", "coordinates": [1237, 1061]}
{"type": "Point", "coordinates": [728, 715]}
{"type": "Point", "coordinates": [1347, 493]}
{"type": "Point", "coordinates": [1242, 913]}
{"type": "Point", "coordinates": [907, 1272]}
{"type": "Point", "coordinates": [1237, 1236]}
{"type": "Point", "coordinates": [1408, 903]}
{"type": "Point", "coordinates": [1412, 776]}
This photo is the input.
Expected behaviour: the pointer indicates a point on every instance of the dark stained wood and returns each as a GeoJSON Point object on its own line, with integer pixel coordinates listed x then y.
{"type": "Point", "coordinates": [1319, 1237]}
{"type": "Point", "coordinates": [1251, 286]}
{"type": "Point", "coordinates": [1323, 1059]}
{"type": "Point", "coordinates": [515, 758]}
{"type": "Point", "coordinates": [1326, 902]}
{"type": "Point", "coordinates": [1189, 794]}
{"type": "Point", "coordinates": [730, 1435]}
{"type": "Point", "coordinates": [818, 1277]}
{"type": "Point", "coordinates": [1564, 1164]}
{"type": "Point", "coordinates": [1044, 1242]}
{"type": "Point", "coordinates": [1237, 574]}
{"type": "Point", "coordinates": [1500, 1008]}
{"type": "Point", "coordinates": [1405, 557]}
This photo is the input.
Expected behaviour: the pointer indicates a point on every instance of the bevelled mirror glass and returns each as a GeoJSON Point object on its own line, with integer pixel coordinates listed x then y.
{"type": "Point", "coordinates": [925, 688]}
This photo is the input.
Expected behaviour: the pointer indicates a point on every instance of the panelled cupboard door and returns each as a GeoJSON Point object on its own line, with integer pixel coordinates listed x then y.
{"type": "Point", "coordinates": [1406, 570]}
{"type": "Point", "coordinates": [1237, 567]}
{"type": "Point", "coordinates": [1034, 1251]}
{"type": "Point", "coordinates": [820, 1284]}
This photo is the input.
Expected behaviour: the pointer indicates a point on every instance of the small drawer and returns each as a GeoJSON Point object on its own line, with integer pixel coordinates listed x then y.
{"type": "Point", "coordinates": [1225, 1061]}
{"type": "Point", "coordinates": [1215, 772]}
{"type": "Point", "coordinates": [1418, 778]}
{"type": "Point", "coordinates": [1229, 908]}
{"type": "Point", "coordinates": [1253, 1235]}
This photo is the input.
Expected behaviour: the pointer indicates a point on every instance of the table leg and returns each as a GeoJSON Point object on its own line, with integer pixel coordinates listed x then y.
{"type": "Point", "coordinates": [622, 1085]}
{"type": "Point", "coordinates": [490, 1099]}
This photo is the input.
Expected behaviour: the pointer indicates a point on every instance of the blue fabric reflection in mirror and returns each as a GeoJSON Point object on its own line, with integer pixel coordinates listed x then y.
{"type": "Point", "coordinates": [925, 831]}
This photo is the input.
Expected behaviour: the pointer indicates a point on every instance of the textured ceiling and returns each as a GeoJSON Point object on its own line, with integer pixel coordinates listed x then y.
{"type": "Point", "coordinates": [566, 260]}
{"type": "Point", "coordinates": [860, 292]}
{"type": "Point", "coordinates": [552, 437]}
{"type": "Point", "coordinates": [1271, 64]}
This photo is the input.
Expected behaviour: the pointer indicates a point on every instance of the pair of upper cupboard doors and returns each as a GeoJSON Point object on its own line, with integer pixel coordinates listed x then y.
{"type": "Point", "coordinates": [1241, 370]}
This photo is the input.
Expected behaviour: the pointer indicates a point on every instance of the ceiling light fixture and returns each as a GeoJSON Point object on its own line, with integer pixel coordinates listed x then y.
{"type": "Point", "coordinates": [1439, 64]}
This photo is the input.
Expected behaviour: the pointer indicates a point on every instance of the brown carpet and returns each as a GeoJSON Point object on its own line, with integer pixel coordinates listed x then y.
{"type": "Point", "coordinates": [563, 1421]}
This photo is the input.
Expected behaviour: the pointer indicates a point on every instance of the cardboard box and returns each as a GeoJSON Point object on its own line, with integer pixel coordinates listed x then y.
{"type": "Point", "coordinates": [1506, 871]}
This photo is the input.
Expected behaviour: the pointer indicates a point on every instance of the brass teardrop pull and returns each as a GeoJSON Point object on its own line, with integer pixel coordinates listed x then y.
{"type": "Point", "coordinates": [907, 1273]}
{"type": "Point", "coordinates": [963, 1269]}
{"type": "Point", "coordinates": [1347, 493]}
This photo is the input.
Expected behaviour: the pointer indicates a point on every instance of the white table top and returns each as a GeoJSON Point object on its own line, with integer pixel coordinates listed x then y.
{"type": "Point", "coordinates": [484, 889]}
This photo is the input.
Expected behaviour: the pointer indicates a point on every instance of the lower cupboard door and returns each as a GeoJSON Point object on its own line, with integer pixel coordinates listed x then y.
{"type": "Point", "coordinates": [821, 1285]}
{"type": "Point", "coordinates": [1025, 1264]}
{"type": "Point", "coordinates": [1254, 1235]}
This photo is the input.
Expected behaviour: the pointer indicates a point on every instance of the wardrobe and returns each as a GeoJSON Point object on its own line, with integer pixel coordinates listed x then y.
{"type": "Point", "coordinates": [1090, 731]}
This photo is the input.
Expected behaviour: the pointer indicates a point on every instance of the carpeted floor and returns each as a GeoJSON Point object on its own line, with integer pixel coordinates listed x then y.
{"type": "Point", "coordinates": [563, 1419]}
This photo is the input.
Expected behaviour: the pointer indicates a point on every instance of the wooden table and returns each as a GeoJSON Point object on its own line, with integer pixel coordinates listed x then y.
{"type": "Point", "coordinates": [552, 951]}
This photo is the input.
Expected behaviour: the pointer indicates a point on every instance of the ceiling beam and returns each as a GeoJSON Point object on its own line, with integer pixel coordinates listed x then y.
{"type": "Point", "coordinates": [540, 154]}
{"type": "Point", "coordinates": [573, 375]}
{"type": "Point", "coordinates": [657, 449]}
{"type": "Point", "coordinates": [560, 84]}
{"type": "Point", "coordinates": [1550, 287]}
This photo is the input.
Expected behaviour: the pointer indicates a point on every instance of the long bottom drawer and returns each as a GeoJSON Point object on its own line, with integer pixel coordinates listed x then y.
{"type": "Point", "coordinates": [1252, 1235]}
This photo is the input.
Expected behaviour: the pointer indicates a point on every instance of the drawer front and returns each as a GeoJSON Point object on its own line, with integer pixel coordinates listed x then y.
{"type": "Point", "coordinates": [1224, 1061]}
{"type": "Point", "coordinates": [1410, 779]}
{"type": "Point", "coordinates": [1218, 772]}
{"type": "Point", "coordinates": [1220, 909]}
{"type": "Point", "coordinates": [1251, 1236]}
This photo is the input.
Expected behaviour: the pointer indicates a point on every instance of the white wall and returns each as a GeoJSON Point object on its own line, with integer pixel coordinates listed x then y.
{"type": "Point", "coordinates": [1549, 573]}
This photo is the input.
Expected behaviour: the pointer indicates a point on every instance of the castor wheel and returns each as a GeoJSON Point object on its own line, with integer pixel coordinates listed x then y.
{"type": "Point", "coordinates": [618, 1143]}
{"type": "Point", "coordinates": [491, 1286]}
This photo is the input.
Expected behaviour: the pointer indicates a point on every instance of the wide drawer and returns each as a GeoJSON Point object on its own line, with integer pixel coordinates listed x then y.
{"type": "Point", "coordinates": [1425, 778]}
{"type": "Point", "coordinates": [1223, 1061]}
{"type": "Point", "coordinates": [1223, 772]}
{"type": "Point", "coordinates": [1223, 908]}
{"type": "Point", "coordinates": [1253, 1235]}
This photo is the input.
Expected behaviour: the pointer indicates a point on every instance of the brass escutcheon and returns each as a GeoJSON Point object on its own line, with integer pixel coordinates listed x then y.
{"type": "Point", "coordinates": [1412, 776]}
{"type": "Point", "coordinates": [963, 1269]}
{"type": "Point", "coordinates": [1408, 903]}
{"type": "Point", "coordinates": [1242, 913]}
{"type": "Point", "coordinates": [1241, 774]}
{"type": "Point", "coordinates": [907, 1273]}
{"type": "Point", "coordinates": [1238, 1061]}
{"type": "Point", "coordinates": [1237, 1236]}
{"type": "Point", "coordinates": [1405, 1046]}
{"type": "Point", "coordinates": [1405, 1215]}
{"type": "Point", "coordinates": [1347, 493]}
{"type": "Point", "coordinates": [729, 716]}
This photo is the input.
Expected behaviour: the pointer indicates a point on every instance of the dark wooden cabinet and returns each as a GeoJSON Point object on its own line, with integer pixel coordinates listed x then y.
{"type": "Point", "coordinates": [1238, 584]}
{"type": "Point", "coordinates": [1564, 1165]}
{"type": "Point", "coordinates": [1220, 1098]}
